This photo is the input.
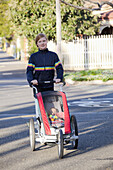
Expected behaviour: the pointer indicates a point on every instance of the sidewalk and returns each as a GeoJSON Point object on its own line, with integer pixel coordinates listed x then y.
{"type": "Point", "coordinates": [11, 68]}
{"type": "Point", "coordinates": [94, 82]}
{"type": "Point", "coordinates": [15, 94]}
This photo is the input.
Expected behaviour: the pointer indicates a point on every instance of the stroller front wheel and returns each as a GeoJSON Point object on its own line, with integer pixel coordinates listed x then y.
{"type": "Point", "coordinates": [60, 144]}
{"type": "Point", "coordinates": [32, 134]}
{"type": "Point", "coordinates": [74, 131]}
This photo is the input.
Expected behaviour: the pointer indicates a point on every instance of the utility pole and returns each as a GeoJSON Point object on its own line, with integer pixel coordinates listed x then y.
{"type": "Point", "coordinates": [58, 28]}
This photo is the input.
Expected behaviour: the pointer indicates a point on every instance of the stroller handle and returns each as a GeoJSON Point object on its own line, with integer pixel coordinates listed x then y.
{"type": "Point", "coordinates": [53, 81]}
{"type": "Point", "coordinates": [47, 82]}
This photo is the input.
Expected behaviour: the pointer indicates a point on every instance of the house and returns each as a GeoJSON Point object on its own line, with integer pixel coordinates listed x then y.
{"type": "Point", "coordinates": [105, 10]}
{"type": "Point", "coordinates": [106, 19]}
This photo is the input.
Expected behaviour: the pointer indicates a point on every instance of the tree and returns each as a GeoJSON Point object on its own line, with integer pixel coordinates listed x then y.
{"type": "Point", "coordinates": [78, 20]}
{"type": "Point", "coordinates": [30, 17]}
{"type": "Point", "coordinates": [58, 28]}
{"type": "Point", "coordinates": [4, 19]}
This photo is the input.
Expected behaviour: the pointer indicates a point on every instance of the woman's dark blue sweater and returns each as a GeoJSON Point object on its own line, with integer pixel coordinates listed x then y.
{"type": "Point", "coordinates": [42, 65]}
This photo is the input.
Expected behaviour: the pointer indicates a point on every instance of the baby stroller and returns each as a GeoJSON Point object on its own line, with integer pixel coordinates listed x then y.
{"type": "Point", "coordinates": [54, 124]}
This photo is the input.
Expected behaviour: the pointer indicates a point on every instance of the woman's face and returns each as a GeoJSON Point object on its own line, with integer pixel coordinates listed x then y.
{"type": "Point", "coordinates": [42, 43]}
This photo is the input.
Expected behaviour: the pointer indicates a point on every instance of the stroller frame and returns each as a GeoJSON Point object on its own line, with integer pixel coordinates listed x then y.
{"type": "Point", "coordinates": [41, 131]}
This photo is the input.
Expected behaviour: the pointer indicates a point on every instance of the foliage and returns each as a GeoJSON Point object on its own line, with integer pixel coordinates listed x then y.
{"type": "Point", "coordinates": [78, 22]}
{"type": "Point", "coordinates": [90, 75]}
{"type": "Point", "coordinates": [4, 19]}
{"type": "Point", "coordinates": [32, 47]}
{"type": "Point", "coordinates": [33, 16]}
{"type": "Point", "coordinates": [29, 17]}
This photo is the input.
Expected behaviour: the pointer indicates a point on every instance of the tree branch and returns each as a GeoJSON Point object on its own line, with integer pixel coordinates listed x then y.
{"type": "Point", "coordinates": [106, 2]}
{"type": "Point", "coordinates": [77, 7]}
{"type": "Point", "coordinates": [84, 8]}
{"type": "Point", "coordinates": [93, 2]}
{"type": "Point", "coordinates": [101, 4]}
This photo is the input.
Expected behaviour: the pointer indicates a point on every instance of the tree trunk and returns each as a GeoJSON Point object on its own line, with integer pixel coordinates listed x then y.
{"type": "Point", "coordinates": [58, 28]}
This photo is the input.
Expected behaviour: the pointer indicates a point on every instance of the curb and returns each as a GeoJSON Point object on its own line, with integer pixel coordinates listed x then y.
{"type": "Point", "coordinates": [94, 82]}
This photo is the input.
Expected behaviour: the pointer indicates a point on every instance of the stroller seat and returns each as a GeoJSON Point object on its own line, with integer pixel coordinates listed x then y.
{"type": "Point", "coordinates": [53, 106]}
{"type": "Point", "coordinates": [57, 120]}
{"type": "Point", "coordinates": [54, 111]}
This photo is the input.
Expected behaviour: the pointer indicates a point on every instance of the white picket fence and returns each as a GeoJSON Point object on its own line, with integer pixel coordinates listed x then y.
{"type": "Point", "coordinates": [90, 53]}
{"type": "Point", "coordinates": [94, 52]}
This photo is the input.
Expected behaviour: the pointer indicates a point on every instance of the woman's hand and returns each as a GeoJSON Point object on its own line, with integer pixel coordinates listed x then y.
{"type": "Point", "coordinates": [34, 82]}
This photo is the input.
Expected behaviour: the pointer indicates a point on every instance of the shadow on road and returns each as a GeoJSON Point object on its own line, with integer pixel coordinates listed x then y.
{"type": "Point", "coordinates": [95, 124]}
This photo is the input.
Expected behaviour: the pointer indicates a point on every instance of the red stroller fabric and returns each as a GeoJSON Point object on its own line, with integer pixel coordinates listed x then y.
{"type": "Point", "coordinates": [43, 113]}
{"type": "Point", "coordinates": [45, 119]}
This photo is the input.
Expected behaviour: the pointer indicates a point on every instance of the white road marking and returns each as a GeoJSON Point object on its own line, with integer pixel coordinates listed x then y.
{"type": "Point", "coordinates": [15, 117]}
{"type": "Point", "coordinates": [106, 102]}
{"type": "Point", "coordinates": [5, 74]}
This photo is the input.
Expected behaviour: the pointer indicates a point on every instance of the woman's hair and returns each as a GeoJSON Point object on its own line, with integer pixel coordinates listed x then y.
{"type": "Point", "coordinates": [40, 35]}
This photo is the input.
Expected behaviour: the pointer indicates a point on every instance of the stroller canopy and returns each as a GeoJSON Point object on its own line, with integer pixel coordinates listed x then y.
{"type": "Point", "coordinates": [56, 100]}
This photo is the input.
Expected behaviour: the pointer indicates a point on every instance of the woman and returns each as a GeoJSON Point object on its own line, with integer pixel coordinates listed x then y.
{"type": "Point", "coordinates": [41, 67]}
{"type": "Point", "coordinates": [42, 64]}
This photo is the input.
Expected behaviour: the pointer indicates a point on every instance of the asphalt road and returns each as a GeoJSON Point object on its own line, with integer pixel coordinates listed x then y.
{"type": "Point", "coordinates": [91, 104]}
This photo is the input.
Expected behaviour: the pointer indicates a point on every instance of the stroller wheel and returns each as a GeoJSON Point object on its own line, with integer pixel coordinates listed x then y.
{"type": "Point", "coordinates": [60, 144]}
{"type": "Point", "coordinates": [32, 134]}
{"type": "Point", "coordinates": [74, 131]}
